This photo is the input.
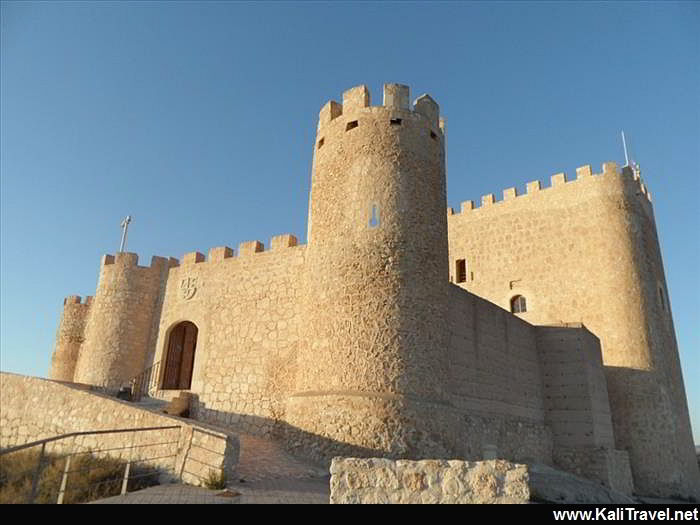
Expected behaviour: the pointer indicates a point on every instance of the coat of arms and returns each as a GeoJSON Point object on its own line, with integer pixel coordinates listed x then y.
{"type": "Point", "coordinates": [188, 287]}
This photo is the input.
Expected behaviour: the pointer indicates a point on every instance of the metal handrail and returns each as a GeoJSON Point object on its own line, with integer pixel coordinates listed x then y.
{"type": "Point", "coordinates": [126, 477]}
{"type": "Point", "coordinates": [144, 381]}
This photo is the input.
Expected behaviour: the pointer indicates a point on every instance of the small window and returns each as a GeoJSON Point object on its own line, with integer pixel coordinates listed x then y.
{"type": "Point", "coordinates": [351, 125]}
{"type": "Point", "coordinates": [395, 122]}
{"type": "Point", "coordinates": [461, 270]}
{"type": "Point", "coordinates": [433, 135]}
{"type": "Point", "coordinates": [320, 143]}
{"type": "Point", "coordinates": [374, 217]}
{"type": "Point", "coordinates": [518, 304]}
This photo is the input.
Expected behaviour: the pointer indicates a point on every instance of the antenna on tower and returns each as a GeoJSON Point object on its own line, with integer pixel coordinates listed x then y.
{"type": "Point", "coordinates": [125, 227]}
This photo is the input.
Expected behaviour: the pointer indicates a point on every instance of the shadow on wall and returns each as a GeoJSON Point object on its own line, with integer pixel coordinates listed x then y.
{"type": "Point", "coordinates": [321, 449]}
{"type": "Point", "coordinates": [302, 444]}
{"type": "Point", "coordinates": [650, 410]}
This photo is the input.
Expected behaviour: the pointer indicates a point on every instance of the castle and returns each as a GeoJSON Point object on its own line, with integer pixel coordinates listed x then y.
{"type": "Point", "coordinates": [535, 328]}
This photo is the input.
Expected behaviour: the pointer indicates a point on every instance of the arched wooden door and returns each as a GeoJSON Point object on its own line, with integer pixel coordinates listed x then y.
{"type": "Point", "coordinates": [179, 362]}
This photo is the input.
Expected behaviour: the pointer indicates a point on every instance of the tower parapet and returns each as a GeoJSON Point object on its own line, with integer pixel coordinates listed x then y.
{"type": "Point", "coordinates": [561, 182]}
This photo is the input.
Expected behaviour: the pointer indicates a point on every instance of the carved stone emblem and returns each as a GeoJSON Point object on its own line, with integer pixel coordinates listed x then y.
{"type": "Point", "coordinates": [188, 287]}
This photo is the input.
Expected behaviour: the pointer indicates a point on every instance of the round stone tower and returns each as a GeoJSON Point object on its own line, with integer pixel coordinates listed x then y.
{"type": "Point", "coordinates": [373, 351]}
{"type": "Point", "coordinates": [118, 332]}
{"type": "Point", "coordinates": [70, 337]}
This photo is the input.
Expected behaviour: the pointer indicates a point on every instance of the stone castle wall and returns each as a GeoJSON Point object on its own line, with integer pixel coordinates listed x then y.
{"type": "Point", "coordinates": [490, 348]}
{"type": "Point", "coordinates": [247, 311]}
{"type": "Point", "coordinates": [586, 251]}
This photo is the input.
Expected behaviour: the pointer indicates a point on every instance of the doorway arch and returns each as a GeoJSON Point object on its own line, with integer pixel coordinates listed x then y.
{"type": "Point", "coordinates": [179, 361]}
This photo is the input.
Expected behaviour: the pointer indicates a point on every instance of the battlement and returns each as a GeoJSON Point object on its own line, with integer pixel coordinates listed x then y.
{"type": "Point", "coordinates": [396, 96]}
{"type": "Point", "coordinates": [559, 180]}
{"type": "Point", "coordinates": [128, 259]}
{"type": "Point", "coordinates": [245, 249]}
{"type": "Point", "coordinates": [76, 299]}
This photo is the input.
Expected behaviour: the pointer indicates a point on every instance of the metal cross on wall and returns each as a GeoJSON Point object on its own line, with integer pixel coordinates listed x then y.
{"type": "Point", "coordinates": [125, 227]}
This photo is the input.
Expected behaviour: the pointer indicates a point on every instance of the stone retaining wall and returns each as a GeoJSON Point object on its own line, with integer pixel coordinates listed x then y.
{"type": "Point", "coordinates": [35, 409]}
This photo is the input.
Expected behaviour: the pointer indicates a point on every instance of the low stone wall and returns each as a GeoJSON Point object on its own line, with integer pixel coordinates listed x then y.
{"type": "Point", "coordinates": [33, 409]}
{"type": "Point", "coordinates": [428, 481]}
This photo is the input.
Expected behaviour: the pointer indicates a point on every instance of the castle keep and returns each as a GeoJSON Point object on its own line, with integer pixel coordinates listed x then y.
{"type": "Point", "coordinates": [535, 328]}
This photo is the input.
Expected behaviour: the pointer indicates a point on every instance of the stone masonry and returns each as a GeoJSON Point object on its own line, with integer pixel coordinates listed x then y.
{"type": "Point", "coordinates": [35, 409]}
{"type": "Point", "coordinates": [536, 328]}
{"type": "Point", "coordinates": [429, 481]}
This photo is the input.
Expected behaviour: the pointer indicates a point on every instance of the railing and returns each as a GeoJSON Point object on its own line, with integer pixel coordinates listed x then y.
{"type": "Point", "coordinates": [113, 468]}
{"type": "Point", "coordinates": [146, 382]}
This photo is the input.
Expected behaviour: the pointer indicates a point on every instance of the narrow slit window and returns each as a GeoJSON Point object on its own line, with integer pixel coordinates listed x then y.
{"type": "Point", "coordinates": [518, 304]}
{"type": "Point", "coordinates": [661, 298]}
{"type": "Point", "coordinates": [351, 125]}
{"type": "Point", "coordinates": [395, 122]}
{"type": "Point", "coordinates": [374, 216]}
{"type": "Point", "coordinates": [320, 143]}
{"type": "Point", "coordinates": [461, 270]}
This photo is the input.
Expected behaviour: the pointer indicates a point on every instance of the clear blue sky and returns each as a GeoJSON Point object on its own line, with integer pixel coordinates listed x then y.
{"type": "Point", "coordinates": [199, 118]}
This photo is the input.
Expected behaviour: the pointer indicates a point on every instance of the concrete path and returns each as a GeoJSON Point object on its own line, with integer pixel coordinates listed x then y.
{"type": "Point", "coordinates": [287, 491]}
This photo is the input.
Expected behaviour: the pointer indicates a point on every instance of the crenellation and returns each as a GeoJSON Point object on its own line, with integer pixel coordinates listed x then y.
{"type": "Point", "coordinates": [396, 99]}
{"type": "Point", "coordinates": [533, 187]}
{"type": "Point", "coordinates": [329, 111]}
{"type": "Point", "coordinates": [126, 259]}
{"type": "Point", "coordinates": [466, 206]}
{"type": "Point", "coordinates": [220, 253]}
{"type": "Point", "coordinates": [584, 174]}
{"type": "Point", "coordinates": [584, 171]}
{"type": "Point", "coordinates": [131, 260]}
{"type": "Point", "coordinates": [250, 247]}
{"type": "Point", "coordinates": [286, 240]}
{"type": "Point", "coordinates": [192, 258]}
{"type": "Point", "coordinates": [158, 262]}
{"type": "Point", "coordinates": [396, 96]}
{"type": "Point", "coordinates": [610, 167]}
{"type": "Point", "coordinates": [558, 180]}
{"type": "Point", "coordinates": [71, 299]}
{"type": "Point", "coordinates": [426, 106]}
{"type": "Point", "coordinates": [356, 98]}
